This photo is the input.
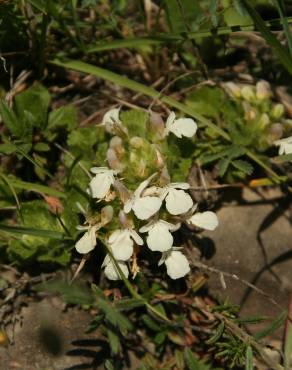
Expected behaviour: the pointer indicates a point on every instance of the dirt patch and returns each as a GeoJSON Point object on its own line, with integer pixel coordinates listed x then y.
{"type": "Point", "coordinates": [49, 338]}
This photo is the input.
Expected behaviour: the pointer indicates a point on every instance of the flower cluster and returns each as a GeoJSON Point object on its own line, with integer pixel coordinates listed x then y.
{"type": "Point", "coordinates": [156, 207]}
{"type": "Point", "coordinates": [264, 120]}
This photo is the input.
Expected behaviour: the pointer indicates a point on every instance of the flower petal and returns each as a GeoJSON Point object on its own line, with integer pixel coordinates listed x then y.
{"type": "Point", "coordinates": [179, 185]}
{"type": "Point", "coordinates": [136, 237]}
{"type": "Point", "coordinates": [143, 185]}
{"type": "Point", "coordinates": [100, 185]}
{"type": "Point", "coordinates": [99, 170]}
{"type": "Point", "coordinates": [159, 238]}
{"type": "Point", "coordinates": [178, 202]}
{"type": "Point", "coordinates": [170, 120]}
{"type": "Point", "coordinates": [184, 127]}
{"type": "Point", "coordinates": [112, 273]}
{"type": "Point", "coordinates": [122, 247]}
{"type": "Point", "coordinates": [111, 116]}
{"type": "Point", "coordinates": [87, 242]}
{"type": "Point", "coordinates": [206, 220]}
{"type": "Point", "coordinates": [177, 265]}
{"type": "Point", "coordinates": [146, 207]}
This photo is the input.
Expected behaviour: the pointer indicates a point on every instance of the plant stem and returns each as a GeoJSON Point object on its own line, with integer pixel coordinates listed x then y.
{"type": "Point", "coordinates": [130, 288]}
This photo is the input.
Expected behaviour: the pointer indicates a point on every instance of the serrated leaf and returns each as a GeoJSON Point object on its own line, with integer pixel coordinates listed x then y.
{"type": "Point", "coordinates": [243, 166]}
{"type": "Point", "coordinates": [63, 117]}
{"type": "Point", "coordinates": [35, 101]}
{"type": "Point", "coordinates": [10, 119]}
{"type": "Point", "coordinates": [113, 315]}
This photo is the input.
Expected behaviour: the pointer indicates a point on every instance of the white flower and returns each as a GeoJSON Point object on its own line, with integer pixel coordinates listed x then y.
{"type": "Point", "coordinates": [122, 245]}
{"type": "Point", "coordinates": [177, 201]}
{"type": "Point", "coordinates": [180, 127]}
{"type": "Point", "coordinates": [159, 237]}
{"type": "Point", "coordinates": [111, 117]}
{"type": "Point", "coordinates": [88, 241]}
{"type": "Point", "coordinates": [112, 122]}
{"type": "Point", "coordinates": [285, 145]}
{"type": "Point", "coordinates": [111, 272]}
{"type": "Point", "coordinates": [143, 207]}
{"type": "Point", "coordinates": [206, 220]}
{"type": "Point", "coordinates": [177, 265]}
{"type": "Point", "coordinates": [100, 185]}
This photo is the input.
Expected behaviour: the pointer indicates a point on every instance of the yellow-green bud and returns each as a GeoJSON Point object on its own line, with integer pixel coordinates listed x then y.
{"type": "Point", "coordinates": [233, 89]}
{"type": "Point", "coordinates": [264, 120]}
{"type": "Point", "coordinates": [137, 142]}
{"type": "Point", "coordinates": [263, 90]}
{"type": "Point", "coordinates": [248, 94]}
{"type": "Point", "coordinates": [278, 111]}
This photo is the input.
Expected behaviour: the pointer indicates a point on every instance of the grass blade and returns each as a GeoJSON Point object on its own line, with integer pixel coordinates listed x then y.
{"type": "Point", "coordinates": [37, 188]}
{"type": "Point", "coordinates": [19, 230]}
{"type": "Point", "coordinates": [288, 339]}
{"type": "Point", "coordinates": [138, 87]}
{"type": "Point", "coordinates": [281, 10]}
{"type": "Point", "coordinates": [271, 40]}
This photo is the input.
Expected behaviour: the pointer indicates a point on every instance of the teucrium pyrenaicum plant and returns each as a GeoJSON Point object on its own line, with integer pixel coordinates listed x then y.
{"type": "Point", "coordinates": [135, 202]}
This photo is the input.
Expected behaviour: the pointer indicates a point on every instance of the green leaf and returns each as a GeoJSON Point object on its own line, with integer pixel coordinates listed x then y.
{"type": "Point", "coordinates": [63, 117]}
{"type": "Point", "coordinates": [148, 321]}
{"type": "Point", "coordinates": [10, 119]}
{"type": "Point", "coordinates": [34, 101]}
{"type": "Point", "coordinates": [192, 361]}
{"type": "Point", "coordinates": [270, 38]}
{"type": "Point", "coordinates": [19, 230]}
{"type": "Point", "coordinates": [219, 331]}
{"type": "Point", "coordinates": [248, 358]}
{"type": "Point", "coordinates": [7, 148]}
{"type": "Point", "coordinates": [114, 341]}
{"type": "Point", "coordinates": [282, 10]}
{"type": "Point", "coordinates": [182, 14]}
{"type": "Point", "coordinates": [277, 323]}
{"type": "Point", "coordinates": [35, 187]}
{"type": "Point", "coordinates": [113, 315]}
{"type": "Point", "coordinates": [243, 166]}
{"type": "Point", "coordinates": [109, 365]}
{"type": "Point", "coordinates": [76, 293]}
{"type": "Point", "coordinates": [223, 166]}
{"type": "Point", "coordinates": [135, 120]}
{"type": "Point", "coordinates": [127, 304]}
{"type": "Point", "coordinates": [283, 158]}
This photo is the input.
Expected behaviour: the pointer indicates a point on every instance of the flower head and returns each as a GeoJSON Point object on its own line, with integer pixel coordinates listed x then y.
{"type": "Point", "coordinates": [206, 220]}
{"type": "Point", "coordinates": [121, 243]}
{"type": "Point", "coordinates": [177, 265]}
{"type": "Point", "coordinates": [143, 207]}
{"type": "Point", "coordinates": [285, 145]}
{"type": "Point", "coordinates": [111, 271]}
{"type": "Point", "coordinates": [180, 127]}
{"type": "Point", "coordinates": [177, 201]}
{"type": "Point", "coordinates": [159, 235]}
{"type": "Point", "coordinates": [100, 185]}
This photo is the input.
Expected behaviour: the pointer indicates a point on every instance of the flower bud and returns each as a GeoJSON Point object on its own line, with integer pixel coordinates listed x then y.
{"type": "Point", "coordinates": [233, 89]}
{"type": "Point", "coordinates": [116, 143]}
{"type": "Point", "coordinates": [156, 123]}
{"type": "Point", "coordinates": [263, 90]}
{"type": "Point", "coordinates": [276, 131]}
{"type": "Point", "coordinates": [247, 93]}
{"type": "Point", "coordinates": [113, 160]}
{"type": "Point", "coordinates": [264, 120]}
{"type": "Point", "coordinates": [278, 111]}
{"type": "Point", "coordinates": [137, 142]}
{"type": "Point", "coordinates": [106, 215]}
